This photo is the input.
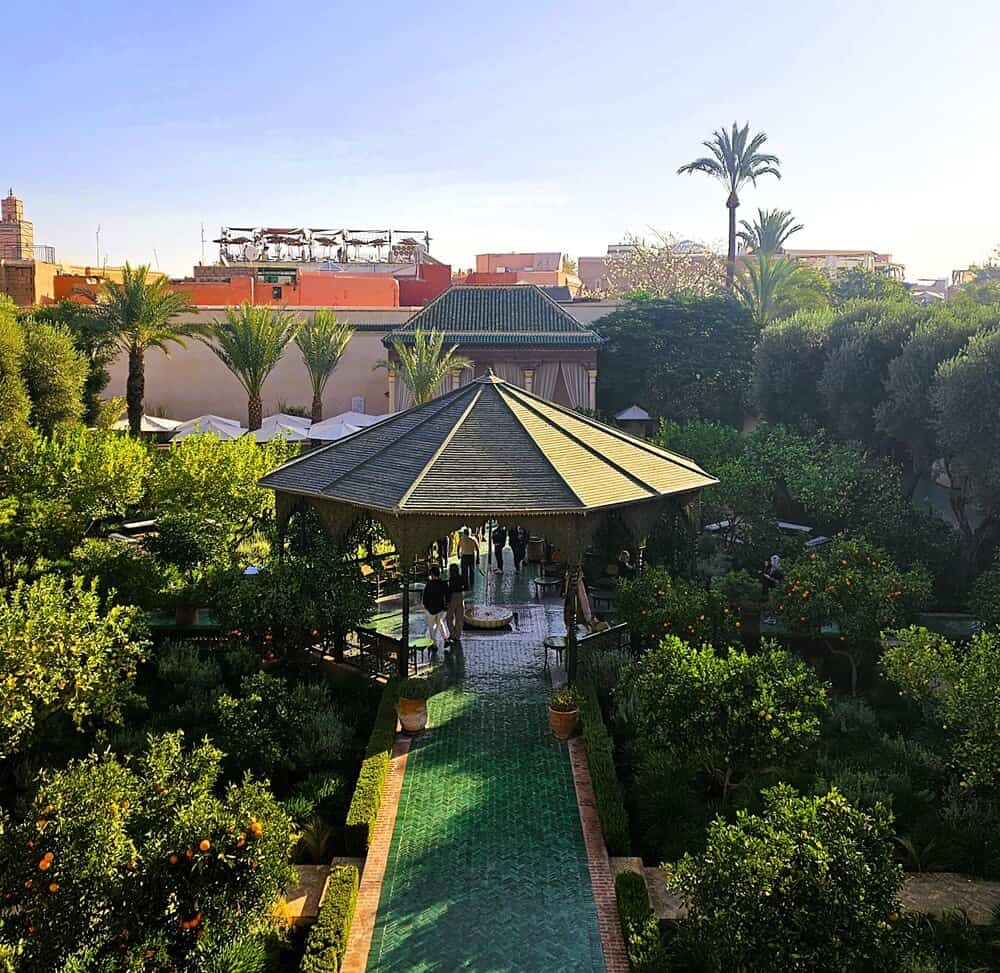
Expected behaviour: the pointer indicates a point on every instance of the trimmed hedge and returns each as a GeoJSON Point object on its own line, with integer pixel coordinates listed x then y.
{"type": "Point", "coordinates": [326, 941]}
{"type": "Point", "coordinates": [367, 797]}
{"type": "Point", "coordinates": [640, 928]}
{"type": "Point", "coordinates": [603, 774]}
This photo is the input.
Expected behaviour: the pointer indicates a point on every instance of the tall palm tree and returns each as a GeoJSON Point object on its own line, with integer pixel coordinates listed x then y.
{"type": "Point", "coordinates": [735, 160]}
{"type": "Point", "coordinates": [773, 285]}
{"type": "Point", "coordinates": [250, 342]}
{"type": "Point", "coordinates": [322, 341]}
{"type": "Point", "coordinates": [143, 314]}
{"type": "Point", "coordinates": [768, 233]}
{"type": "Point", "coordinates": [424, 364]}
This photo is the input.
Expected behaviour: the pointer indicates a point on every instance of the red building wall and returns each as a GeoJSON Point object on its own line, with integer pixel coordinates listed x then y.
{"type": "Point", "coordinates": [435, 279]}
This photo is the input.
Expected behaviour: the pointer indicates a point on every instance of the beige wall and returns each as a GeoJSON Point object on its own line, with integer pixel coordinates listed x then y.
{"type": "Point", "coordinates": [191, 381]}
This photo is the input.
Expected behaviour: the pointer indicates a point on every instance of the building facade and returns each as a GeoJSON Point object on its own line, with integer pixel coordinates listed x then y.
{"type": "Point", "coordinates": [17, 235]}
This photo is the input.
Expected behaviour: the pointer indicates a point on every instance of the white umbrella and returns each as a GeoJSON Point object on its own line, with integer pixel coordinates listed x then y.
{"type": "Point", "coordinates": [359, 419]}
{"type": "Point", "coordinates": [151, 424]}
{"type": "Point", "coordinates": [331, 429]}
{"type": "Point", "coordinates": [294, 429]}
{"type": "Point", "coordinates": [209, 425]}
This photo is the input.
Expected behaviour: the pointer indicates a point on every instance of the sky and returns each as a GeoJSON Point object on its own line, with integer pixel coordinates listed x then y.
{"type": "Point", "coordinates": [517, 125]}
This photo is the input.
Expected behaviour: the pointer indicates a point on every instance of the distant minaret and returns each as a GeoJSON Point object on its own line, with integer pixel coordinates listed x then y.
{"type": "Point", "coordinates": [17, 235]}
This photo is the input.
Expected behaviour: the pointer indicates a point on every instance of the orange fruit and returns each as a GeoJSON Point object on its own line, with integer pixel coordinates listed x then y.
{"type": "Point", "coordinates": [48, 856]}
{"type": "Point", "coordinates": [173, 859]}
{"type": "Point", "coordinates": [257, 828]}
{"type": "Point", "coordinates": [241, 841]}
{"type": "Point", "coordinates": [189, 853]}
{"type": "Point", "coordinates": [205, 844]}
{"type": "Point", "coordinates": [44, 865]}
{"type": "Point", "coordinates": [54, 887]}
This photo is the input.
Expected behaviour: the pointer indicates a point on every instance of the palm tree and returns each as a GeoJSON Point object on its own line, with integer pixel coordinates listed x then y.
{"type": "Point", "coordinates": [774, 285]}
{"type": "Point", "coordinates": [736, 159]}
{"type": "Point", "coordinates": [322, 341]}
{"type": "Point", "coordinates": [424, 365]}
{"type": "Point", "coordinates": [250, 342]}
{"type": "Point", "coordinates": [768, 233]}
{"type": "Point", "coordinates": [142, 314]}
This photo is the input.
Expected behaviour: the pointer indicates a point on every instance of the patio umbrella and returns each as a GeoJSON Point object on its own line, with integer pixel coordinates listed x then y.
{"type": "Point", "coordinates": [209, 425]}
{"type": "Point", "coordinates": [150, 424]}
{"type": "Point", "coordinates": [294, 429]}
{"type": "Point", "coordinates": [488, 450]}
{"type": "Point", "coordinates": [330, 430]}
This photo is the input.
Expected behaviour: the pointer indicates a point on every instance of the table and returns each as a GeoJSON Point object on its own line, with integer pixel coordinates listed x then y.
{"type": "Point", "coordinates": [556, 644]}
{"type": "Point", "coordinates": [543, 584]}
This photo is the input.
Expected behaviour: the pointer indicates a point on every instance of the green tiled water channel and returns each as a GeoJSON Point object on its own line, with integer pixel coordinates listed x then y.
{"type": "Point", "coordinates": [487, 869]}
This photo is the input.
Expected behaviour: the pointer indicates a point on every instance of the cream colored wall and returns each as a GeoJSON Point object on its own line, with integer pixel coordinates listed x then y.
{"type": "Point", "coordinates": [191, 381]}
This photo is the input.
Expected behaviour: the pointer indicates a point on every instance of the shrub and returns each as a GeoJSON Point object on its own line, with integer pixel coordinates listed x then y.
{"type": "Point", "coordinates": [603, 774]}
{"type": "Point", "coordinates": [122, 573]}
{"type": "Point", "coordinates": [640, 928]}
{"type": "Point", "coordinates": [367, 798]}
{"type": "Point", "coordinates": [123, 860]}
{"type": "Point", "coordinates": [986, 598]}
{"type": "Point", "coordinates": [735, 714]}
{"type": "Point", "coordinates": [61, 655]}
{"type": "Point", "coordinates": [656, 605]}
{"type": "Point", "coordinates": [326, 942]}
{"type": "Point", "coordinates": [809, 885]}
{"type": "Point", "coordinates": [669, 811]}
{"type": "Point", "coordinates": [276, 728]}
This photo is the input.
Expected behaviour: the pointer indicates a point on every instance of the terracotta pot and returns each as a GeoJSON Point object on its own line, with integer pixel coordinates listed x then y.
{"type": "Point", "coordinates": [563, 724]}
{"type": "Point", "coordinates": [412, 714]}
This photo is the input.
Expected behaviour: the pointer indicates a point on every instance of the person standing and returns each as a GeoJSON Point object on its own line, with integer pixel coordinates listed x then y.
{"type": "Point", "coordinates": [435, 601]}
{"type": "Point", "coordinates": [499, 539]}
{"type": "Point", "coordinates": [468, 552]}
{"type": "Point", "coordinates": [456, 604]}
{"type": "Point", "coordinates": [519, 545]}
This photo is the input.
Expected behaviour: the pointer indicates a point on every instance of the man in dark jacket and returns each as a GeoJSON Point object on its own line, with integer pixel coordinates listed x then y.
{"type": "Point", "coordinates": [435, 602]}
{"type": "Point", "coordinates": [499, 539]}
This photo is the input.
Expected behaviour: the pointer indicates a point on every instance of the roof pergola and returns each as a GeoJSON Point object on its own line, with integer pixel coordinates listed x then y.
{"type": "Point", "coordinates": [487, 450]}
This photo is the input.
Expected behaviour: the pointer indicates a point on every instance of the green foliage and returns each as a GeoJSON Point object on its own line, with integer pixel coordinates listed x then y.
{"type": "Point", "coordinates": [656, 605]}
{"type": "Point", "coordinates": [809, 885]}
{"type": "Point", "coordinates": [986, 598]}
{"type": "Point", "coordinates": [735, 714]}
{"type": "Point", "coordinates": [415, 687]}
{"type": "Point", "coordinates": [63, 484]}
{"type": "Point", "coordinates": [275, 728]}
{"type": "Point", "coordinates": [15, 405]}
{"type": "Point", "coordinates": [60, 655]}
{"type": "Point", "coordinates": [322, 341]}
{"type": "Point", "coordinates": [768, 233]}
{"type": "Point", "coordinates": [367, 798]}
{"type": "Point", "coordinates": [137, 862]}
{"type": "Point", "coordinates": [855, 586]}
{"type": "Point", "coordinates": [54, 373]}
{"type": "Point", "coordinates": [326, 942]}
{"type": "Point", "coordinates": [959, 689]}
{"type": "Point", "coordinates": [640, 928]}
{"type": "Point", "coordinates": [773, 287]}
{"type": "Point", "coordinates": [206, 479]}
{"type": "Point", "coordinates": [122, 573]}
{"type": "Point", "coordinates": [601, 763]}
{"type": "Point", "coordinates": [424, 365]}
{"type": "Point", "coordinates": [868, 285]}
{"type": "Point", "coordinates": [683, 357]}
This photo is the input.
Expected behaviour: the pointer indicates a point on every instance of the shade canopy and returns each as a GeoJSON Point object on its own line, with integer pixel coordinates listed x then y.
{"type": "Point", "coordinates": [150, 424]}
{"type": "Point", "coordinates": [488, 449]}
{"type": "Point", "coordinates": [209, 425]}
{"type": "Point", "coordinates": [633, 413]}
{"type": "Point", "coordinates": [294, 429]}
{"type": "Point", "coordinates": [340, 426]}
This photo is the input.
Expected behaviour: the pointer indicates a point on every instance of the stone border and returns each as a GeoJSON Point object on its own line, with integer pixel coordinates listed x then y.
{"type": "Point", "coordinates": [602, 883]}
{"type": "Point", "coordinates": [359, 940]}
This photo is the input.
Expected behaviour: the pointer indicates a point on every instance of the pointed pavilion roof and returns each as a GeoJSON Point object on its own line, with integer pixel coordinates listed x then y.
{"type": "Point", "coordinates": [504, 314]}
{"type": "Point", "coordinates": [489, 448]}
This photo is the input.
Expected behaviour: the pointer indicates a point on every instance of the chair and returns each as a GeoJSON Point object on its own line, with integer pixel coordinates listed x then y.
{"type": "Point", "coordinates": [422, 647]}
{"type": "Point", "coordinates": [555, 644]}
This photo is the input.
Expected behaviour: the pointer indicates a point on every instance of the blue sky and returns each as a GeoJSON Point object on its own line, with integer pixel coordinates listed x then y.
{"type": "Point", "coordinates": [516, 125]}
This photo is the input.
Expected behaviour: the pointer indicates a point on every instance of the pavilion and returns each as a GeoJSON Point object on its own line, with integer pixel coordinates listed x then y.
{"type": "Point", "coordinates": [488, 450]}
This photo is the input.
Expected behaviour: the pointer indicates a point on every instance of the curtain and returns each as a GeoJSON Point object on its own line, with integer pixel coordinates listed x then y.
{"type": "Point", "coordinates": [510, 372]}
{"type": "Point", "coordinates": [577, 384]}
{"type": "Point", "coordinates": [545, 379]}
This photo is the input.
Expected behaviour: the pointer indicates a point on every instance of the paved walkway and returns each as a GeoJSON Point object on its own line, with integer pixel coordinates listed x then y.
{"type": "Point", "coordinates": [487, 869]}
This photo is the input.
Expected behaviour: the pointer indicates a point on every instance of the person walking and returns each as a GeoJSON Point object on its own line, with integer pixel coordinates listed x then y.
{"type": "Point", "coordinates": [519, 545]}
{"type": "Point", "coordinates": [468, 552]}
{"type": "Point", "coordinates": [456, 604]}
{"type": "Point", "coordinates": [499, 539]}
{"type": "Point", "coordinates": [435, 601]}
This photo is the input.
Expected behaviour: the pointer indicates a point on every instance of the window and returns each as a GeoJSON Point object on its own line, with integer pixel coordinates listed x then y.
{"type": "Point", "coordinates": [275, 293]}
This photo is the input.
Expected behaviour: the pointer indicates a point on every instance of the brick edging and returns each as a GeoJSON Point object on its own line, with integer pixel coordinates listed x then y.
{"type": "Point", "coordinates": [359, 939]}
{"type": "Point", "coordinates": [602, 882]}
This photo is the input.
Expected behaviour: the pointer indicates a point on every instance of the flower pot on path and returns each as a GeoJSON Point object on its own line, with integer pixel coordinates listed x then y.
{"type": "Point", "coordinates": [563, 722]}
{"type": "Point", "coordinates": [412, 714]}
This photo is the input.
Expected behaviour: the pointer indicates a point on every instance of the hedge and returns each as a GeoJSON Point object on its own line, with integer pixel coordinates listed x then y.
{"type": "Point", "coordinates": [367, 797]}
{"type": "Point", "coordinates": [603, 774]}
{"type": "Point", "coordinates": [640, 928]}
{"type": "Point", "coordinates": [326, 941]}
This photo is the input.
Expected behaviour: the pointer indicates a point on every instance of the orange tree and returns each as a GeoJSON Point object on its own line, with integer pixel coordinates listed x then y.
{"type": "Point", "coordinates": [656, 605]}
{"type": "Point", "coordinates": [847, 594]}
{"type": "Point", "coordinates": [138, 867]}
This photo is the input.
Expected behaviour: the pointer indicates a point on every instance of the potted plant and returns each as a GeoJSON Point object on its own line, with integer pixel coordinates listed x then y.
{"type": "Point", "coordinates": [411, 707]}
{"type": "Point", "coordinates": [564, 712]}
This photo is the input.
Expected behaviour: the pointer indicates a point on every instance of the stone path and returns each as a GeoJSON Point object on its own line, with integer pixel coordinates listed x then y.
{"type": "Point", "coordinates": [487, 868]}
